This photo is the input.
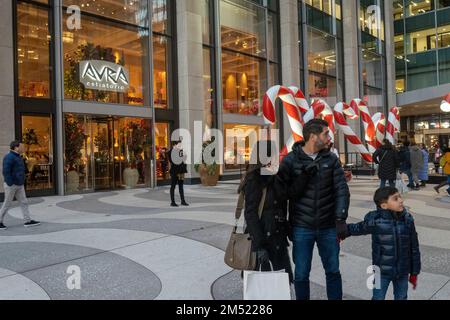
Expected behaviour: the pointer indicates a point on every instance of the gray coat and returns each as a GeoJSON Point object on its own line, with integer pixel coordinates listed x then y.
{"type": "Point", "coordinates": [416, 159]}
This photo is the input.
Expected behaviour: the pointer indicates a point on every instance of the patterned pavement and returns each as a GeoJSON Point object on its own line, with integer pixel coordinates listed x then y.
{"type": "Point", "coordinates": [132, 245]}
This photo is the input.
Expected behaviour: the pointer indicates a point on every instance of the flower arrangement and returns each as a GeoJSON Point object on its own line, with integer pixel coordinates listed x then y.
{"type": "Point", "coordinates": [211, 169]}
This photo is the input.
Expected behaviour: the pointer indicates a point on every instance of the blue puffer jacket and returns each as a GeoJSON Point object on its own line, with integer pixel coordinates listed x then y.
{"type": "Point", "coordinates": [13, 169]}
{"type": "Point", "coordinates": [395, 245]}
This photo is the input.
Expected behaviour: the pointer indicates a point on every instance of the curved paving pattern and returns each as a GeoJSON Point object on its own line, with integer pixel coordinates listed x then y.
{"type": "Point", "coordinates": [132, 245]}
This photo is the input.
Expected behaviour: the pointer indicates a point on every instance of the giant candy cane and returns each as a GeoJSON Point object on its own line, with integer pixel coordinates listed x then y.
{"type": "Point", "coordinates": [379, 122]}
{"type": "Point", "coordinates": [369, 127]}
{"type": "Point", "coordinates": [339, 110]}
{"type": "Point", "coordinates": [393, 124]}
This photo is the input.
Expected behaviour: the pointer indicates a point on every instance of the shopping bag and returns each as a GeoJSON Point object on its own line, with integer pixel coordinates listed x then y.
{"type": "Point", "coordinates": [266, 285]}
{"type": "Point", "coordinates": [401, 186]}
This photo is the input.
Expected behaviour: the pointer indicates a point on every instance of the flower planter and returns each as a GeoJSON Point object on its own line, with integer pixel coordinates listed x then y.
{"type": "Point", "coordinates": [130, 177]}
{"type": "Point", "coordinates": [73, 181]}
{"type": "Point", "coordinates": [206, 179]}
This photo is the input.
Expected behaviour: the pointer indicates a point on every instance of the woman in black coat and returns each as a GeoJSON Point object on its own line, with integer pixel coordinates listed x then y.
{"type": "Point", "coordinates": [388, 163]}
{"type": "Point", "coordinates": [270, 232]}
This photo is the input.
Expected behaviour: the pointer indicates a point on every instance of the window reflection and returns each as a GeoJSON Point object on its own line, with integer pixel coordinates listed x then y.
{"type": "Point", "coordinates": [38, 140]}
{"type": "Point", "coordinates": [244, 82]}
{"type": "Point", "coordinates": [162, 135]}
{"type": "Point", "coordinates": [415, 7]}
{"type": "Point", "coordinates": [240, 140]}
{"type": "Point", "coordinates": [160, 10]}
{"type": "Point", "coordinates": [33, 51]}
{"type": "Point", "coordinates": [321, 52]}
{"type": "Point", "coordinates": [161, 57]}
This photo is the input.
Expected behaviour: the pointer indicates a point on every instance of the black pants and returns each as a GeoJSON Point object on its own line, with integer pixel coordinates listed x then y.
{"type": "Point", "coordinates": [174, 181]}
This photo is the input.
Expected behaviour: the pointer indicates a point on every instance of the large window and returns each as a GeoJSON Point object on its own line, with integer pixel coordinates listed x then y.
{"type": "Point", "coordinates": [372, 54]}
{"type": "Point", "coordinates": [239, 145]}
{"type": "Point", "coordinates": [162, 54]}
{"type": "Point", "coordinates": [33, 51]}
{"type": "Point", "coordinates": [105, 60]}
{"type": "Point", "coordinates": [247, 54]}
{"type": "Point", "coordinates": [323, 32]}
{"type": "Point", "coordinates": [37, 136]}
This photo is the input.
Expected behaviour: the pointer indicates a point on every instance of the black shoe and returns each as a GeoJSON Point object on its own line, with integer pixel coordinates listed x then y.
{"type": "Point", "coordinates": [2, 227]}
{"type": "Point", "coordinates": [173, 204]}
{"type": "Point", "coordinates": [184, 203]}
{"type": "Point", "coordinates": [31, 223]}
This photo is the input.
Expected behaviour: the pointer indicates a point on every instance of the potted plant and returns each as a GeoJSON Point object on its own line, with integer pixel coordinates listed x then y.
{"type": "Point", "coordinates": [74, 141]}
{"type": "Point", "coordinates": [136, 142]}
{"type": "Point", "coordinates": [209, 173]}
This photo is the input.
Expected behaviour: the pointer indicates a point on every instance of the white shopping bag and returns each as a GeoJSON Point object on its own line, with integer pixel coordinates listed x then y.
{"type": "Point", "coordinates": [266, 285]}
{"type": "Point", "coordinates": [401, 186]}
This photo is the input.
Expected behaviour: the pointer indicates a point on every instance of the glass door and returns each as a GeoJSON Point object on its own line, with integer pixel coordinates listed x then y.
{"type": "Point", "coordinates": [37, 136]}
{"type": "Point", "coordinates": [102, 154]}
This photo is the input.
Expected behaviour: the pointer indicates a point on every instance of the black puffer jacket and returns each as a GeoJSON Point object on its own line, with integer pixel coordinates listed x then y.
{"type": "Point", "coordinates": [395, 245]}
{"type": "Point", "coordinates": [271, 232]}
{"type": "Point", "coordinates": [326, 196]}
{"type": "Point", "coordinates": [175, 156]}
{"type": "Point", "coordinates": [387, 159]}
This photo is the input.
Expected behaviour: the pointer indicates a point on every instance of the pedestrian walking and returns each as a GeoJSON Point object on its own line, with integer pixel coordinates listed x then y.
{"type": "Point", "coordinates": [445, 163]}
{"type": "Point", "coordinates": [395, 245]}
{"type": "Point", "coordinates": [388, 162]}
{"type": "Point", "coordinates": [14, 177]}
{"type": "Point", "coordinates": [405, 162]}
{"type": "Point", "coordinates": [319, 213]}
{"type": "Point", "coordinates": [416, 163]}
{"type": "Point", "coordinates": [177, 171]}
{"type": "Point", "coordinates": [423, 174]}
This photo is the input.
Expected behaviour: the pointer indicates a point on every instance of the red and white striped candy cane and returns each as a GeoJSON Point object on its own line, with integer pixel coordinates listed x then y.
{"type": "Point", "coordinates": [445, 104]}
{"type": "Point", "coordinates": [369, 127]}
{"type": "Point", "coordinates": [351, 137]}
{"type": "Point", "coordinates": [379, 121]}
{"type": "Point", "coordinates": [320, 107]}
{"type": "Point", "coordinates": [293, 110]}
{"type": "Point", "coordinates": [393, 124]}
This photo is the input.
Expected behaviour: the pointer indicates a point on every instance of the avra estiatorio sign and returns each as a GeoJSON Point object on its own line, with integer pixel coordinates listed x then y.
{"type": "Point", "coordinates": [104, 75]}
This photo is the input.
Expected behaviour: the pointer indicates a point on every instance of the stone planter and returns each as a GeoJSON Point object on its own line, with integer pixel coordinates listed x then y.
{"type": "Point", "coordinates": [73, 181]}
{"type": "Point", "coordinates": [130, 177]}
{"type": "Point", "coordinates": [206, 179]}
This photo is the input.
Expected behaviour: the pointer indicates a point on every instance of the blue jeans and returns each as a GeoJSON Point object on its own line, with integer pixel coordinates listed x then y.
{"type": "Point", "coordinates": [383, 183]}
{"type": "Point", "coordinates": [326, 239]}
{"type": "Point", "coordinates": [400, 288]}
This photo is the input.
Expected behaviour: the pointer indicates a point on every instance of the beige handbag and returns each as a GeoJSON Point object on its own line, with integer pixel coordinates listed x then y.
{"type": "Point", "coordinates": [238, 254]}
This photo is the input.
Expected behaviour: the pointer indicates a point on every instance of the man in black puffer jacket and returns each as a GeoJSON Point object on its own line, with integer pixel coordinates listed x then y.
{"type": "Point", "coordinates": [395, 245]}
{"type": "Point", "coordinates": [319, 214]}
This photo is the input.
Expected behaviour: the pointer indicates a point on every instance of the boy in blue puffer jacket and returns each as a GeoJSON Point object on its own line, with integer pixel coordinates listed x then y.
{"type": "Point", "coordinates": [395, 245]}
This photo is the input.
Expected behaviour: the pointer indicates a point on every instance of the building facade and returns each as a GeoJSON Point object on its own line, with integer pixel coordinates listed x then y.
{"type": "Point", "coordinates": [422, 52]}
{"type": "Point", "coordinates": [95, 88]}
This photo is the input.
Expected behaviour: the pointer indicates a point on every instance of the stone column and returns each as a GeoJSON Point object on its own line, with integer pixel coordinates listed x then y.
{"type": "Point", "coordinates": [290, 51]}
{"type": "Point", "coordinates": [390, 56]}
{"type": "Point", "coordinates": [7, 129]}
{"type": "Point", "coordinates": [351, 61]}
{"type": "Point", "coordinates": [190, 70]}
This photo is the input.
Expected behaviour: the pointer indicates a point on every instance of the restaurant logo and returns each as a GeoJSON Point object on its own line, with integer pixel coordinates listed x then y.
{"type": "Point", "coordinates": [104, 76]}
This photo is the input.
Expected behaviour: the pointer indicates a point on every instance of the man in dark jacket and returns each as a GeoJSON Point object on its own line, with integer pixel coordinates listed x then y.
{"type": "Point", "coordinates": [388, 162]}
{"type": "Point", "coordinates": [14, 176]}
{"type": "Point", "coordinates": [319, 214]}
{"type": "Point", "coordinates": [395, 245]}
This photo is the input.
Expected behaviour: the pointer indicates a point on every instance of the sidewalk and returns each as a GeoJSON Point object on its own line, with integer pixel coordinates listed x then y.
{"type": "Point", "coordinates": [132, 245]}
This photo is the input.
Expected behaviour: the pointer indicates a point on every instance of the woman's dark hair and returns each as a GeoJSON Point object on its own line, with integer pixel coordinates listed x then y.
{"type": "Point", "coordinates": [255, 163]}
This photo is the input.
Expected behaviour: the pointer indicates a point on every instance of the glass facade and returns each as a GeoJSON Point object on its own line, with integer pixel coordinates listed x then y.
{"type": "Point", "coordinates": [248, 37]}
{"type": "Point", "coordinates": [372, 55]}
{"type": "Point", "coordinates": [105, 60]}
{"type": "Point", "coordinates": [422, 42]}
{"type": "Point", "coordinates": [322, 37]}
{"type": "Point", "coordinates": [33, 51]}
